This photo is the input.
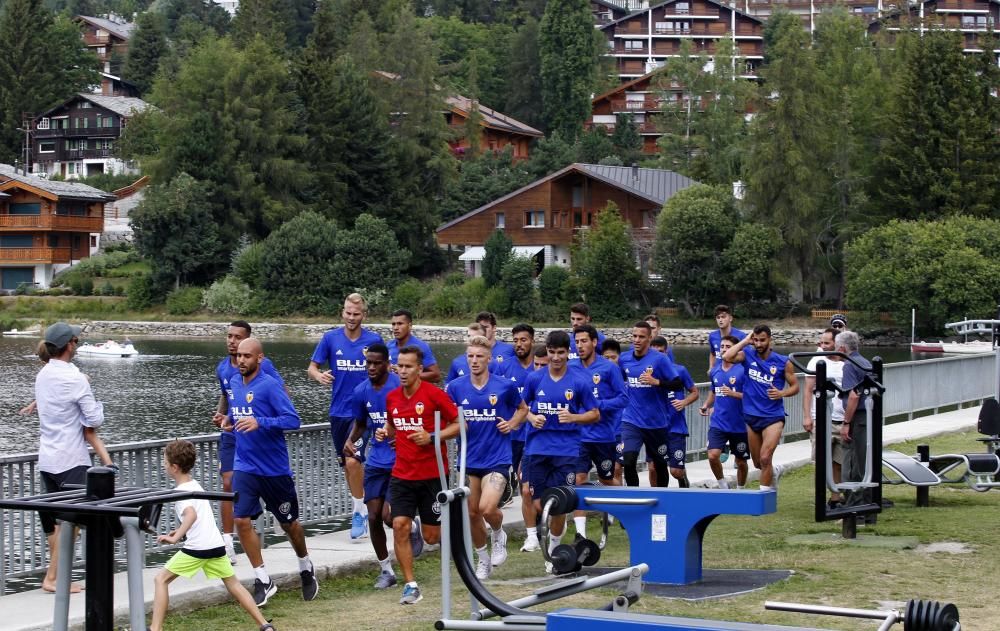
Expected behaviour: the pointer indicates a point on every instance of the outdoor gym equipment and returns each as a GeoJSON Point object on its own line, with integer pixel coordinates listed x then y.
{"type": "Point", "coordinates": [873, 389]}
{"type": "Point", "coordinates": [106, 513]}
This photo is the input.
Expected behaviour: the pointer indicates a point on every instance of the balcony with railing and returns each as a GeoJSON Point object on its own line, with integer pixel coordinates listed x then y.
{"type": "Point", "coordinates": [72, 223]}
{"type": "Point", "coordinates": [957, 6]}
{"type": "Point", "coordinates": [649, 103]}
{"type": "Point", "coordinates": [702, 14]}
{"type": "Point", "coordinates": [87, 154]}
{"type": "Point", "coordinates": [34, 255]}
{"type": "Point", "coordinates": [80, 132]}
{"type": "Point", "coordinates": [93, 39]}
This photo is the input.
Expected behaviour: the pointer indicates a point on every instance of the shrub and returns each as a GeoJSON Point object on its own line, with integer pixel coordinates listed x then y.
{"type": "Point", "coordinates": [228, 295]}
{"type": "Point", "coordinates": [473, 295]}
{"type": "Point", "coordinates": [445, 301]}
{"type": "Point", "coordinates": [140, 293]}
{"type": "Point", "coordinates": [107, 289]}
{"type": "Point", "coordinates": [247, 265]}
{"type": "Point", "coordinates": [184, 301]}
{"type": "Point", "coordinates": [409, 294]}
{"type": "Point", "coordinates": [517, 279]}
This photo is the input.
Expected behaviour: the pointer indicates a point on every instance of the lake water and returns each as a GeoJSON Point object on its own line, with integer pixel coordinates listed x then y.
{"type": "Point", "coordinates": [170, 389]}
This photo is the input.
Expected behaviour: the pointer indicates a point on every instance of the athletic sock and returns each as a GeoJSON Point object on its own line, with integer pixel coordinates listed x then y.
{"type": "Point", "coordinates": [764, 487]}
{"type": "Point", "coordinates": [414, 525]}
{"type": "Point", "coordinates": [531, 532]}
{"type": "Point", "coordinates": [261, 574]}
{"type": "Point", "coordinates": [495, 535]}
{"type": "Point", "coordinates": [386, 565]}
{"type": "Point", "coordinates": [581, 526]}
{"type": "Point", "coordinates": [741, 486]}
{"type": "Point", "coordinates": [412, 584]}
{"type": "Point", "coordinates": [305, 564]}
{"type": "Point", "coordinates": [553, 542]}
{"type": "Point", "coordinates": [483, 553]}
{"type": "Point", "coordinates": [359, 506]}
{"type": "Point", "coordinates": [723, 484]}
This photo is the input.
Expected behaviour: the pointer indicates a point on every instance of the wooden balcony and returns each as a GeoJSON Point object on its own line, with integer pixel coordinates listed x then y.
{"type": "Point", "coordinates": [11, 223]}
{"type": "Point", "coordinates": [955, 6]}
{"type": "Point", "coordinates": [672, 12]}
{"type": "Point", "coordinates": [34, 255]}
{"type": "Point", "coordinates": [92, 39]}
{"type": "Point", "coordinates": [80, 132]}
{"type": "Point", "coordinates": [644, 105]}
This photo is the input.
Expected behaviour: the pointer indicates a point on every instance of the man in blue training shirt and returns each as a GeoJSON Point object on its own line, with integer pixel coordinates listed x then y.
{"type": "Point", "coordinates": [579, 315]}
{"type": "Point", "coordinates": [492, 408]}
{"type": "Point", "coordinates": [370, 416]}
{"type": "Point", "coordinates": [501, 351]}
{"type": "Point", "coordinates": [724, 320]}
{"type": "Point", "coordinates": [646, 421]}
{"type": "Point", "coordinates": [599, 444]}
{"type": "Point", "coordinates": [724, 407]}
{"type": "Point", "coordinates": [402, 325]}
{"type": "Point", "coordinates": [517, 371]}
{"type": "Point", "coordinates": [460, 365]}
{"type": "Point", "coordinates": [679, 397]}
{"type": "Point", "coordinates": [561, 401]}
{"type": "Point", "coordinates": [226, 371]}
{"type": "Point", "coordinates": [343, 350]}
{"type": "Point", "coordinates": [259, 414]}
{"type": "Point", "coordinates": [770, 377]}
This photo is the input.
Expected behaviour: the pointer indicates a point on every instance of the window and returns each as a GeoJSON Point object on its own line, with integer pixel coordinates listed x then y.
{"type": "Point", "coordinates": [93, 241]}
{"type": "Point", "coordinates": [109, 121]}
{"type": "Point", "coordinates": [968, 21]}
{"type": "Point", "coordinates": [85, 105]}
{"type": "Point", "coordinates": [648, 219]}
{"type": "Point", "coordinates": [534, 219]}
{"type": "Point", "coordinates": [501, 221]}
{"type": "Point", "coordinates": [53, 240]}
{"type": "Point", "coordinates": [26, 208]}
{"type": "Point", "coordinates": [682, 7]}
{"type": "Point", "coordinates": [47, 146]}
{"type": "Point", "coordinates": [16, 241]}
{"type": "Point", "coordinates": [634, 44]}
{"type": "Point", "coordinates": [43, 123]}
{"type": "Point", "coordinates": [105, 144]}
{"type": "Point", "coordinates": [71, 168]}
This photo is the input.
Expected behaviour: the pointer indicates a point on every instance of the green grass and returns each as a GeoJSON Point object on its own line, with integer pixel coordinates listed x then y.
{"type": "Point", "coordinates": [839, 575]}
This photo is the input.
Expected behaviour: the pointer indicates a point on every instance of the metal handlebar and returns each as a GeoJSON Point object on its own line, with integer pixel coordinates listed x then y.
{"type": "Point", "coordinates": [869, 379]}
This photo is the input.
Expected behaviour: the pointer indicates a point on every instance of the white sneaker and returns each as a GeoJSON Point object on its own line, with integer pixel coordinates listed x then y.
{"type": "Point", "coordinates": [484, 568]}
{"type": "Point", "coordinates": [531, 545]}
{"type": "Point", "coordinates": [499, 552]}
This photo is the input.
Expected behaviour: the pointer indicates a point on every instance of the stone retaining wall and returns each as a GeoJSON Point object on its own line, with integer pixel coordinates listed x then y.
{"type": "Point", "coordinates": [119, 328]}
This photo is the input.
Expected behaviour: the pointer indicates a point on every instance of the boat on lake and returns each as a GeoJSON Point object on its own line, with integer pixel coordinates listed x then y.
{"type": "Point", "coordinates": [34, 332]}
{"type": "Point", "coordinates": [956, 348]}
{"type": "Point", "coordinates": [110, 348]}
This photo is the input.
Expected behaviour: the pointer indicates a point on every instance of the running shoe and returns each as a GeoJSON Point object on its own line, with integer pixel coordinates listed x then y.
{"type": "Point", "coordinates": [385, 580]}
{"type": "Point", "coordinates": [310, 587]}
{"type": "Point", "coordinates": [416, 540]}
{"type": "Point", "coordinates": [262, 591]}
{"type": "Point", "coordinates": [499, 552]}
{"type": "Point", "coordinates": [411, 595]}
{"type": "Point", "coordinates": [484, 568]}
{"type": "Point", "coordinates": [359, 526]}
{"type": "Point", "coordinates": [531, 545]}
{"type": "Point", "coordinates": [267, 626]}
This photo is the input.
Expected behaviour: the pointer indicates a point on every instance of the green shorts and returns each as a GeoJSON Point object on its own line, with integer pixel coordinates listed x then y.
{"type": "Point", "coordinates": [183, 564]}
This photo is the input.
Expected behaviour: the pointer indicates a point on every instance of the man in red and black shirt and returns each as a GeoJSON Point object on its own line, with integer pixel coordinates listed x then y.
{"type": "Point", "coordinates": [415, 483]}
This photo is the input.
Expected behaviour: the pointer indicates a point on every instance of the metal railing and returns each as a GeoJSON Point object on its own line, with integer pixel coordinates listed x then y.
{"type": "Point", "coordinates": [911, 388]}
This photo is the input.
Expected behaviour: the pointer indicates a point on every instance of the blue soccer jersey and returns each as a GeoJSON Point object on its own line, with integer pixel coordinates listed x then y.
{"type": "Point", "coordinates": [262, 451]}
{"type": "Point", "coordinates": [369, 404]}
{"type": "Point", "coordinates": [518, 375]}
{"type": "Point", "coordinates": [609, 391]}
{"type": "Point", "coordinates": [226, 372]}
{"type": "Point", "coordinates": [727, 412]}
{"type": "Point", "coordinates": [460, 367]}
{"type": "Point", "coordinates": [648, 406]}
{"type": "Point", "coordinates": [483, 408]}
{"type": "Point", "coordinates": [678, 418]}
{"type": "Point", "coordinates": [394, 346]}
{"type": "Point", "coordinates": [502, 353]}
{"type": "Point", "coordinates": [572, 392]}
{"type": "Point", "coordinates": [573, 354]}
{"type": "Point", "coordinates": [761, 374]}
{"type": "Point", "coordinates": [715, 341]}
{"type": "Point", "coordinates": [346, 359]}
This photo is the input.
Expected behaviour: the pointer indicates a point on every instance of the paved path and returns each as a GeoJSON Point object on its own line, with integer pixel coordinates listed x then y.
{"type": "Point", "coordinates": [334, 554]}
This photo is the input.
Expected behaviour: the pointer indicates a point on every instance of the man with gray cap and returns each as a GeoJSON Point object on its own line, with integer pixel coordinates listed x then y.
{"type": "Point", "coordinates": [66, 405]}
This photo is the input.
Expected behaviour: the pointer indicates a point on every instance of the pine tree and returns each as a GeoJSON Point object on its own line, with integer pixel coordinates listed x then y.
{"type": "Point", "coordinates": [569, 59]}
{"type": "Point", "coordinates": [524, 77]}
{"type": "Point", "coordinates": [267, 19]}
{"type": "Point", "coordinates": [147, 44]}
{"type": "Point", "coordinates": [626, 139]}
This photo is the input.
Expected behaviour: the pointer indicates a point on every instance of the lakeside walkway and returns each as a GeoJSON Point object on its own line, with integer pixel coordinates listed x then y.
{"type": "Point", "coordinates": [334, 554]}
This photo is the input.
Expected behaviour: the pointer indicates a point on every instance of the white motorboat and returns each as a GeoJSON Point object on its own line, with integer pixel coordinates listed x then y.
{"type": "Point", "coordinates": [110, 348]}
{"type": "Point", "coordinates": [23, 333]}
{"type": "Point", "coordinates": [955, 348]}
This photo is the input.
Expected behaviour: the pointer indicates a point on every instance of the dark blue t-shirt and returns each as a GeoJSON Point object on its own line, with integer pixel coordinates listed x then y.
{"type": "Point", "coordinates": [263, 451]}
{"type": "Point", "coordinates": [715, 341]}
{"type": "Point", "coordinates": [761, 374]}
{"type": "Point", "coordinates": [346, 359]}
{"type": "Point", "coordinates": [572, 392]}
{"type": "Point", "coordinates": [393, 346]}
{"type": "Point", "coordinates": [727, 412]}
{"type": "Point", "coordinates": [369, 404]}
{"type": "Point", "coordinates": [483, 408]}
{"type": "Point", "coordinates": [609, 391]}
{"type": "Point", "coordinates": [648, 406]}
{"type": "Point", "coordinates": [226, 372]}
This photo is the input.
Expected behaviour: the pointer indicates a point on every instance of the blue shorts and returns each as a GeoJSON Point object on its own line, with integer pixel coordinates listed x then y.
{"type": "Point", "coordinates": [227, 451]}
{"type": "Point", "coordinates": [737, 441]}
{"type": "Point", "coordinates": [544, 472]}
{"type": "Point", "coordinates": [503, 469]}
{"type": "Point", "coordinates": [662, 447]}
{"type": "Point", "coordinates": [599, 455]}
{"type": "Point", "coordinates": [517, 452]}
{"type": "Point", "coordinates": [377, 483]}
{"type": "Point", "coordinates": [340, 429]}
{"type": "Point", "coordinates": [278, 493]}
{"type": "Point", "coordinates": [760, 423]}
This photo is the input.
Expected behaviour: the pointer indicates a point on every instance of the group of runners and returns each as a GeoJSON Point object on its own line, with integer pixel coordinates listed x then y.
{"type": "Point", "coordinates": [537, 416]}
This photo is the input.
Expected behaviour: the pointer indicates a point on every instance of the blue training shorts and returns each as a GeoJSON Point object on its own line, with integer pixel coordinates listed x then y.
{"type": "Point", "coordinates": [599, 455]}
{"type": "Point", "coordinates": [278, 493]}
{"type": "Point", "coordinates": [377, 483]}
{"type": "Point", "coordinates": [544, 472]}
{"type": "Point", "coordinates": [760, 423]}
{"type": "Point", "coordinates": [340, 429]}
{"type": "Point", "coordinates": [227, 451]}
{"type": "Point", "coordinates": [662, 447]}
{"type": "Point", "coordinates": [737, 441]}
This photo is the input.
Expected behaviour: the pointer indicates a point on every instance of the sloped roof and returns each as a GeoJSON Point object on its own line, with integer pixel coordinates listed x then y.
{"type": "Point", "coordinates": [118, 29]}
{"type": "Point", "coordinates": [121, 105]}
{"type": "Point", "coordinates": [625, 86]}
{"type": "Point", "coordinates": [492, 118]}
{"type": "Point", "coordinates": [64, 190]}
{"type": "Point", "coordinates": [653, 185]}
{"type": "Point", "coordinates": [657, 6]}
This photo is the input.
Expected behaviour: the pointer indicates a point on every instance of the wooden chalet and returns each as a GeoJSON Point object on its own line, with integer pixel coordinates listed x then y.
{"type": "Point", "coordinates": [975, 20]}
{"type": "Point", "coordinates": [108, 39]}
{"type": "Point", "coordinates": [543, 218]}
{"type": "Point", "coordinates": [642, 41]}
{"type": "Point", "coordinates": [641, 99]}
{"type": "Point", "coordinates": [497, 130]}
{"type": "Point", "coordinates": [45, 226]}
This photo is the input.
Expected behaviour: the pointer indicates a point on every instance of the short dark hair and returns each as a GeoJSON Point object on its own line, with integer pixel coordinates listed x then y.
{"type": "Point", "coordinates": [611, 345]}
{"type": "Point", "coordinates": [655, 318]}
{"type": "Point", "coordinates": [523, 328]}
{"type": "Point", "coordinates": [557, 339]}
{"type": "Point", "coordinates": [403, 312]}
{"type": "Point", "coordinates": [411, 349]}
{"type": "Point", "coordinates": [832, 331]}
{"type": "Point", "coordinates": [242, 324]}
{"type": "Point", "coordinates": [723, 309]}
{"type": "Point", "coordinates": [540, 350]}
{"type": "Point", "coordinates": [380, 348]}
{"type": "Point", "coordinates": [762, 328]}
{"type": "Point", "coordinates": [488, 316]}
{"type": "Point", "coordinates": [581, 308]}
{"type": "Point", "coordinates": [642, 324]}
{"type": "Point", "coordinates": [181, 453]}
{"type": "Point", "coordinates": [731, 338]}
{"type": "Point", "coordinates": [586, 328]}
{"type": "Point", "coordinates": [659, 340]}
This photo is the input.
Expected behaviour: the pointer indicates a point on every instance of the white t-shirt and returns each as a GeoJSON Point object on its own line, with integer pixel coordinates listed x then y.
{"type": "Point", "coordinates": [203, 534]}
{"type": "Point", "coordinates": [834, 372]}
{"type": "Point", "coordinates": [66, 405]}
